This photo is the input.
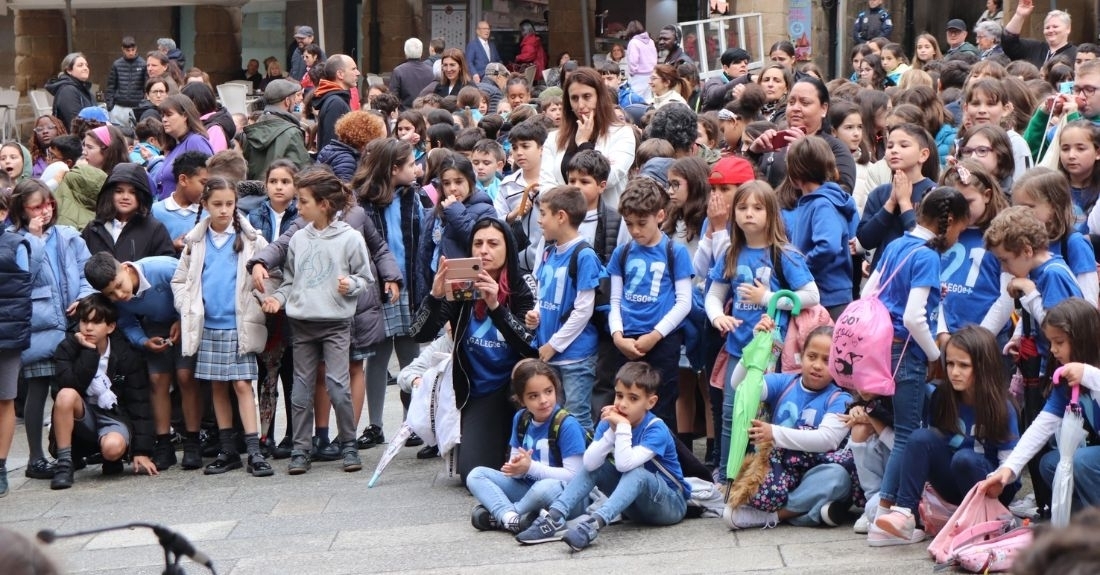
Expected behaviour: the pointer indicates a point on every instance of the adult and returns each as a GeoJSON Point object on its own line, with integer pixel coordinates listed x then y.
{"type": "Point", "coordinates": [274, 72]}
{"type": "Point", "coordinates": [782, 52]}
{"type": "Point", "coordinates": [183, 132]}
{"type": "Point", "coordinates": [667, 87]}
{"type": "Point", "coordinates": [807, 108]}
{"type": "Point", "coordinates": [454, 75]}
{"type": "Point", "coordinates": [332, 98]}
{"type": "Point", "coordinates": [956, 39]}
{"type": "Point", "coordinates": [125, 84]}
{"type": "Point", "coordinates": [410, 77]}
{"type": "Point", "coordinates": [157, 65]}
{"type": "Point", "coordinates": [252, 73]}
{"type": "Point", "coordinates": [314, 57]}
{"type": "Point", "coordinates": [677, 125]}
{"type": "Point", "coordinates": [994, 12]}
{"type": "Point", "coordinates": [735, 70]}
{"type": "Point", "coordinates": [167, 46]}
{"type": "Point", "coordinates": [220, 128]}
{"type": "Point", "coordinates": [776, 80]}
{"type": "Point", "coordinates": [588, 122]}
{"type": "Point", "coordinates": [72, 92]}
{"type": "Point", "coordinates": [303, 36]}
{"type": "Point", "coordinates": [1056, 29]}
{"type": "Point", "coordinates": [277, 133]}
{"type": "Point", "coordinates": [531, 51]}
{"type": "Point", "coordinates": [490, 337]}
{"type": "Point", "coordinates": [641, 57]}
{"type": "Point", "coordinates": [493, 83]}
{"type": "Point", "coordinates": [988, 34]}
{"type": "Point", "coordinates": [872, 23]}
{"type": "Point", "coordinates": [668, 40]}
{"type": "Point", "coordinates": [156, 90]}
{"type": "Point", "coordinates": [481, 51]}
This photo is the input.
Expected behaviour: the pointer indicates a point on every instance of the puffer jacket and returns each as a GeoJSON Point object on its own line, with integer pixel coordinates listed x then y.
{"type": "Point", "coordinates": [341, 157]}
{"type": "Point", "coordinates": [70, 96]}
{"type": "Point", "coordinates": [126, 83]}
{"type": "Point", "coordinates": [187, 289]}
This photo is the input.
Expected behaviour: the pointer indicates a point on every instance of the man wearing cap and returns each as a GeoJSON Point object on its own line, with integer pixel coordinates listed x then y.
{"type": "Point", "coordinates": [735, 70]}
{"type": "Point", "coordinates": [277, 134]}
{"type": "Point", "coordinates": [125, 84]}
{"type": "Point", "coordinates": [303, 35]}
{"type": "Point", "coordinates": [1056, 29]}
{"type": "Point", "coordinates": [492, 83]}
{"type": "Point", "coordinates": [412, 75]}
{"type": "Point", "coordinates": [332, 98]}
{"type": "Point", "coordinates": [480, 51]}
{"type": "Point", "coordinates": [956, 39]}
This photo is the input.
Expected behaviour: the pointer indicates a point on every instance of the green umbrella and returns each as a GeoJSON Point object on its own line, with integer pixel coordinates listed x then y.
{"type": "Point", "coordinates": [758, 357]}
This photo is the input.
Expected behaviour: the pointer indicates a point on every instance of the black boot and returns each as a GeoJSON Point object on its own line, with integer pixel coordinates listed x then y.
{"type": "Point", "coordinates": [192, 451]}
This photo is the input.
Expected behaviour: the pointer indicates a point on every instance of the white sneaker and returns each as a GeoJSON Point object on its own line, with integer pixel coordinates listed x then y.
{"type": "Point", "coordinates": [876, 537]}
{"type": "Point", "coordinates": [862, 524]}
{"type": "Point", "coordinates": [747, 517]}
{"type": "Point", "coordinates": [1025, 507]}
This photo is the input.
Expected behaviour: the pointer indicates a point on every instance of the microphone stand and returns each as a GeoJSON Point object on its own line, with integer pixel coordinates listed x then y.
{"type": "Point", "coordinates": [175, 545]}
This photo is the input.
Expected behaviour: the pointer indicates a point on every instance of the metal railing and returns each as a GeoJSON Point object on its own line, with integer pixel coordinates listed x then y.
{"type": "Point", "coordinates": [745, 31]}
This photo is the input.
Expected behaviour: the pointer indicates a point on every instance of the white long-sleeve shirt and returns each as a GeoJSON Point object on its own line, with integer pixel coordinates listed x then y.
{"type": "Point", "coordinates": [627, 455]}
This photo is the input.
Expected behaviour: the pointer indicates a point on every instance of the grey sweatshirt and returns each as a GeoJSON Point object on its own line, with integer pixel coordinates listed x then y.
{"type": "Point", "coordinates": [315, 261]}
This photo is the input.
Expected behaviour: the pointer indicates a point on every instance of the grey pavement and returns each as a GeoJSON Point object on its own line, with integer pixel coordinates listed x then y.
{"type": "Point", "coordinates": [415, 520]}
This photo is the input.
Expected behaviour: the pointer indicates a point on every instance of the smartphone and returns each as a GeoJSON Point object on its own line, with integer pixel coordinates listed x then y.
{"type": "Point", "coordinates": [461, 275]}
{"type": "Point", "coordinates": [779, 141]}
{"type": "Point", "coordinates": [1065, 88]}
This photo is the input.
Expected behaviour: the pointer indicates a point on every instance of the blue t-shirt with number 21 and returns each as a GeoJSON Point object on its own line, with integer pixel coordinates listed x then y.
{"type": "Point", "coordinates": [649, 290]}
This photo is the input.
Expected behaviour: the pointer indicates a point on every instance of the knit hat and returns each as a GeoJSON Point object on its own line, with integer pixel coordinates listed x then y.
{"type": "Point", "coordinates": [732, 170]}
{"type": "Point", "coordinates": [279, 89]}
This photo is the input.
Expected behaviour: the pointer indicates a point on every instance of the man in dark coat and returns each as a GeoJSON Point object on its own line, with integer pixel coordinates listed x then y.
{"type": "Point", "coordinates": [125, 84]}
{"type": "Point", "coordinates": [332, 99]}
{"type": "Point", "coordinates": [411, 76]}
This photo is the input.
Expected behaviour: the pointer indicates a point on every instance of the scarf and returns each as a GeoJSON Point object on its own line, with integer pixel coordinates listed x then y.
{"type": "Point", "coordinates": [481, 309]}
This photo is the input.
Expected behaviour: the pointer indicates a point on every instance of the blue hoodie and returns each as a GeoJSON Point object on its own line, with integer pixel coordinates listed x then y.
{"type": "Point", "coordinates": [820, 226]}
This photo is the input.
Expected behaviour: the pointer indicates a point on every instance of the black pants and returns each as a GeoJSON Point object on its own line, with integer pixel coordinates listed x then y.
{"type": "Point", "coordinates": [486, 429]}
{"type": "Point", "coordinates": [665, 358]}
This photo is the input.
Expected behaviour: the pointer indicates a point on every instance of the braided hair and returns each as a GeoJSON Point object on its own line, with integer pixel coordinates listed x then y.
{"type": "Point", "coordinates": [215, 184]}
{"type": "Point", "coordinates": [938, 210]}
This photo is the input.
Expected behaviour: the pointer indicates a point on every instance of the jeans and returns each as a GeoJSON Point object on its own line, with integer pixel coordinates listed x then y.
{"type": "Point", "coordinates": [639, 495]}
{"type": "Point", "coordinates": [577, 380]}
{"type": "Point", "coordinates": [1086, 475]}
{"type": "Point", "coordinates": [500, 493]}
{"type": "Point", "coordinates": [870, 458]}
{"type": "Point", "coordinates": [909, 394]}
{"type": "Point", "coordinates": [952, 473]}
{"type": "Point", "coordinates": [820, 485]}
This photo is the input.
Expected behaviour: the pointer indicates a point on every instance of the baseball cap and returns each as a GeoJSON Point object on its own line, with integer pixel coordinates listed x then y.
{"type": "Point", "coordinates": [732, 170]}
{"type": "Point", "coordinates": [279, 90]}
{"type": "Point", "coordinates": [303, 32]}
{"type": "Point", "coordinates": [956, 24]}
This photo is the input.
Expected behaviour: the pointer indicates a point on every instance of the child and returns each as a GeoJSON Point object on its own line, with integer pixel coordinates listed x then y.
{"type": "Point", "coordinates": [488, 160]}
{"type": "Point", "coordinates": [894, 62]}
{"type": "Point", "coordinates": [123, 225]}
{"type": "Point", "coordinates": [77, 189]}
{"type": "Point", "coordinates": [526, 140]}
{"type": "Point", "coordinates": [847, 125]}
{"type": "Point", "coordinates": [15, 161]}
{"type": "Point", "coordinates": [177, 212]}
{"type": "Point", "coordinates": [547, 448]}
{"type": "Point", "coordinates": [57, 257]}
{"type": "Point", "coordinates": [989, 146]}
{"type": "Point", "coordinates": [15, 329]}
{"type": "Point", "coordinates": [870, 420]}
{"type": "Point", "coordinates": [911, 264]}
{"type": "Point", "coordinates": [142, 292]}
{"type": "Point", "coordinates": [1080, 150]}
{"type": "Point", "coordinates": [810, 479]}
{"type": "Point", "coordinates": [650, 292]}
{"type": "Point", "coordinates": [221, 321]}
{"type": "Point", "coordinates": [890, 209]}
{"type": "Point", "coordinates": [758, 263]}
{"type": "Point", "coordinates": [326, 267]}
{"type": "Point", "coordinates": [518, 91]}
{"type": "Point", "coordinates": [643, 482]}
{"type": "Point", "coordinates": [1071, 327]}
{"type": "Point", "coordinates": [985, 101]}
{"type": "Point", "coordinates": [149, 149]}
{"type": "Point", "coordinates": [972, 429]}
{"type": "Point", "coordinates": [64, 151]}
{"type": "Point", "coordinates": [104, 396]}
{"type": "Point", "coordinates": [412, 128]}
{"type": "Point", "coordinates": [823, 220]}
{"type": "Point", "coordinates": [552, 108]}
{"type": "Point", "coordinates": [567, 296]}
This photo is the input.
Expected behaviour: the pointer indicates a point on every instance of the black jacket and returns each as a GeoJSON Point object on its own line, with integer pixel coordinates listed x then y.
{"type": "Point", "coordinates": [342, 158]}
{"type": "Point", "coordinates": [330, 106]}
{"type": "Point", "coordinates": [1034, 51]}
{"type": "Point", "coordinates": [143, 236]}
{"type": "Point", "coordinates": [409, 78]}
{"type": "Point", "coordinates": [70, 96]}
{"type": "Point", "coordinates": [126, 83]}
{"type": "Point", "coordinates": [77, 365]}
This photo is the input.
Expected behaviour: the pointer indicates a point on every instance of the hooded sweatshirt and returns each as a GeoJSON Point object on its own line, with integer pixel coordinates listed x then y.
{"type": "Point", "coordinates": [70, 96]}
{"type": "Point", "coordinates": [77, 195]}
{"type": "Point", "coordinates": [315, 260]}
{"type": "Point", "coordinates": [28, 165]}
{"type": "Point", "coordinates": [142, 236]}
{"type": "Point", "coordinates": [331, 101]}
{"type": "Point", "coordinates": [277, 135]}
{"type": "Point", "coordinates": [820, 226]}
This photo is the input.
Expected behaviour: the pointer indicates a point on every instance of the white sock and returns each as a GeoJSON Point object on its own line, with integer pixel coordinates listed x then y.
{"type": "Point", "coordinates": [510, 518]}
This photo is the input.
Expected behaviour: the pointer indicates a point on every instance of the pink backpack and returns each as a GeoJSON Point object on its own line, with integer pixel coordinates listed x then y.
{"type": "Point", "coordinates": [860, 356]}
{"type": "Point", "coordinates": [990, 547]}
{"type": "Point", "coordinates": [976, 509]}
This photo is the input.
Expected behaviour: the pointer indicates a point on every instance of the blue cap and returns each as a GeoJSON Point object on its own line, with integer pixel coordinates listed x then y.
{"type": "Point", "coordinates": [94, 113]}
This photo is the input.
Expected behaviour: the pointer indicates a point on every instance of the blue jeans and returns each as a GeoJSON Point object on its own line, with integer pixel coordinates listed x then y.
{"type": "Point", "coordinates": [639, 495]}
{"type": "Point", "coordinates": [1086, 475]}
{"type": "Point", "coordinates": [909, 394]}
{"type": "Point", "coordinates": [820, 485]}
{"type": "Point", "coordinates": [577, 380]}
{"type": "Point", "coordinates": [500, 493]}
{"type": "Point", "coordinates": [870, 458]}
{"type": "Point", "coordinates": [929, 457]}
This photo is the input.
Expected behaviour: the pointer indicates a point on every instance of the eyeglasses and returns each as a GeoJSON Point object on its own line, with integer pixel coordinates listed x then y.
{"type": "Point", "coordinates": [1085, 90]}
{"type": "Point", "coordinates": [39, 208]}
{"type": "Point", "coordinates": [977, 151]}
{"type": "Point", "coordinates": [674, 184]}
{"type": "Point", "coordinates": [45, 130]}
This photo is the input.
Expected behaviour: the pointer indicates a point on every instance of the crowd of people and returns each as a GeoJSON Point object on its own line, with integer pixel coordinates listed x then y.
{"type": "Point", "coordinates": [600, 254]}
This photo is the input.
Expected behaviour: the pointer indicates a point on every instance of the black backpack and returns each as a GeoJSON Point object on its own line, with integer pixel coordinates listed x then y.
{"type": "Point", "coordinates": [555, 429]}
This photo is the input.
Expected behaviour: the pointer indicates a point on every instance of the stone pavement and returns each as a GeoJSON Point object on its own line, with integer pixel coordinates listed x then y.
{"type": "Point", "coordinates": [415, 520]}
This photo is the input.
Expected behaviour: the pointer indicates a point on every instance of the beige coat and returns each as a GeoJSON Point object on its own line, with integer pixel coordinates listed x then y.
{"type": "Point", "coordinates": [187, 289]}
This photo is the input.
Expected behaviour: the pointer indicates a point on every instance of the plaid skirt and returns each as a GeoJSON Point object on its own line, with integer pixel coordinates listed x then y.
{"type": "Point", "coordinates": [218, 360]}
{"type": "Point", "coordinates": [40, 368]}
{"type": "Point", "coordinates": [398, 316]}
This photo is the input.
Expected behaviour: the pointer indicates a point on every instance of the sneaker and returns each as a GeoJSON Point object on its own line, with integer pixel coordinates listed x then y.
{"type": "Point", "coordinates": [63, 474]}
{"type": "Point", "coordinates": [414, 440]}
{"type": "Point", "coordinates": [428, 452]}
{"type": "Point", "coordinates": [192, 454]}
{"type": "Point", "coordinates": [836, 513]}
{"type": "Point", "coordinates": [524, 521]}
{"type": "Point", "coordinates": [351, 459]}
{"type": "Point", "coordinates": [862, 524]}
{"type": "Point", "coordinates": [543, 530]}
{"type": "Point", "coordinates": [876, 537]}
{"type": "Point", "coordinates": [747, 517]}
{"type": "Point", "coordinates": [1025, 507]}
{"type": "Point", "coordinates": [899, 522]}
{"type": "Point", "coordinates": [3, 482]}
{"type": "Point", "coordinates": [282, 451]}
{"type": "Point", "coordinates": [483, 520]}
{"type": "Point", "coordinates": [110, 468]}
{"type": "Point", "coordinates": [164, 456]}
{"type": "Point", "coordinates": [299, 463]}
{"type": "Point", "coordinates": [223, 463]}
{"type": "Point", "coordinates": [582, 534]}
{"type": "Point", "coordinates": [324, 450]}
{"type": "Point", "coordinates": [259, 467]}
{"type": "Point", "coordinates": [40, 468]}
{"type": "Point", "coordinates": [372, 436]}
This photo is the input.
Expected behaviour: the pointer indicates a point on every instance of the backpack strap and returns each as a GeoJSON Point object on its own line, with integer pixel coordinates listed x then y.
{"type": "Point", "coordinates": [555, 429]}
{"type": "Point", "coordinates": [883, 285]}
{"type": "Point", "coordinates": [572, 269]}
{"type": "Point", "coordinates": [521, 428]}
{"type": "Point", "coordinates": [664, 471]}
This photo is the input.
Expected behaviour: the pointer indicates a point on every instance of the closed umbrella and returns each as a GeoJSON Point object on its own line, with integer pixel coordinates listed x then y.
{"type": "Point", "coordinates": [1070, 436]}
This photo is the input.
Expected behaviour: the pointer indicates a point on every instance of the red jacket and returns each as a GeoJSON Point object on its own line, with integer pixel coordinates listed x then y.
{"type": "Point", "coordinates": [532, 52]}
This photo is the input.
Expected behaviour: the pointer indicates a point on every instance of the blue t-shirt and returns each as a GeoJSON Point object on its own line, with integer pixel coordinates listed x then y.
{"type": "Point", "coordinates": [490, 358]}
{"type": "Point", "coordinates": [801, 408]}
{"type": "Point", "coordinates": [1059, 399]}
{"type": "Point", "coordinates": [1080, 210]}
{"type": "Point", "coordinates": [1080, 257]}
{"type": "Point", "coordinates": [649, 291]}
{"type": "Point", "coordinates": [966, 440]}
{"type": "Point", "coordinates": [753, 264]}
{"type": "Point", "coordinates": [1055, 282]}
{"type": "Point", "coordinates": [653, 434]}
{"type": "Point", "coordinates": [537, 438]}
{"type": "Point", "coordinates": [557, 292]}
{"type": "Point", "coordinates": [922, 269]}
{"type": "Point", "coordinates": [971, 276]}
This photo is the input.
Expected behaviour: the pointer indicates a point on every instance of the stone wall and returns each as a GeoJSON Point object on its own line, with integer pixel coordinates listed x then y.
{"type": "Point", "coordinates": [98, 34]}
{"type": "Point", "coordinates": [7, 49]}
{"type": "Point", "coordinates": [218, 42]}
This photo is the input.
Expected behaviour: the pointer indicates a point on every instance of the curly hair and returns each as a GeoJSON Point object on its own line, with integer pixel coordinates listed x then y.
{"type": "Point", "coordinates": [1015, 229]}
{"type": "Point", "coordinates": [359, 128]}
{"type": "Point", "coordinates": [37, 151]}
{"type": "Point", "coordinates": [642, 197]}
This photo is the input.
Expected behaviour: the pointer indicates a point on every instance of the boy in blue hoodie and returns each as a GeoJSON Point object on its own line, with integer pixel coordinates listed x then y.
{"type": "Point", "coordinates": [142, 292]}
{"type": "Point", "coordinates": [822, 221]}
